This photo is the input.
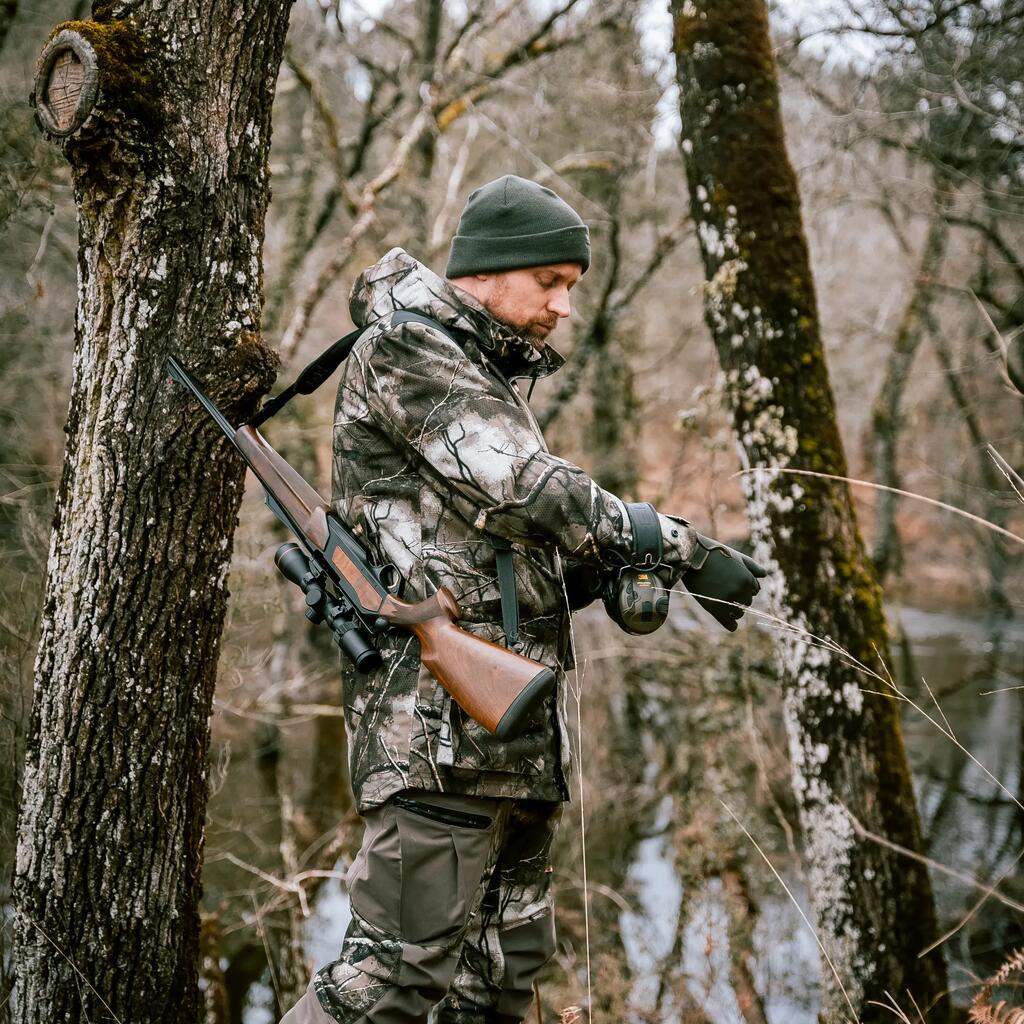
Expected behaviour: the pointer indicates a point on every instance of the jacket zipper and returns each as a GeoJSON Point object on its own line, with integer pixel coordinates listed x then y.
{"type": "Point", "coordinates": [521, 402]}
{"type": "Point", "coordinates": [447, 815]}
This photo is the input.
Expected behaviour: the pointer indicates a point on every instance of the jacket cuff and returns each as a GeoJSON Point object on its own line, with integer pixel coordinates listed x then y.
{"type": "Point", "coordinates": [682, 551]}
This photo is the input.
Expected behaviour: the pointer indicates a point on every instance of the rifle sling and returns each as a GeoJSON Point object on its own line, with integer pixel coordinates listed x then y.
{"type": "Point", "coordinates": [507, 589]}
{"type": "Point", "coordinates": [318, 371]}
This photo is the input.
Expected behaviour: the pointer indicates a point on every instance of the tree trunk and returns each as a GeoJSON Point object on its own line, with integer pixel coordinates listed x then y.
{"type": "Point", "coordinates": [8, 12]}
{"type": "Point", "coordinates": [171, 181]}
{"type": "Point", "coordinates": [874, 909]}
{"type": "Point", "coordinates": [886, 414]}
{"type": "Point", "coordinates": [431, 16]}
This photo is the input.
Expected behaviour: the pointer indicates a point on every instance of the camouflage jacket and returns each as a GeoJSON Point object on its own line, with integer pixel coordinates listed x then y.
{"type": "Point", "coordinates": [435, 449]}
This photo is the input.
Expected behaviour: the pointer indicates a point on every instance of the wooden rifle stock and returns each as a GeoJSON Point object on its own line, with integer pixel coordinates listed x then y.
{"type": "Point", "coordinates": [493, 685]}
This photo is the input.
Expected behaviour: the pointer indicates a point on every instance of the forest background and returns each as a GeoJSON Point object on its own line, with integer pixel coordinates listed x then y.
{"type": "Point", "coordinates": [903, 124]}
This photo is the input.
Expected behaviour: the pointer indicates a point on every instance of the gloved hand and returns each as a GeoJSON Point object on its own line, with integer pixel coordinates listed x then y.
{"type": "Point", "coordinates": [584, 583]}
{"type": "Point", "coordinates": [720, 572]}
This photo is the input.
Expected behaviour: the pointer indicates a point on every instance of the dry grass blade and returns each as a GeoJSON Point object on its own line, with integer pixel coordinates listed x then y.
{"type": "Point", "coordinates": [946, 731]}
{"type": "Point", "coordinates": [793, 900]}
{"type": "Point", "coordinates": [896, 1010]}
{"type": "Point", "coordinates": [78, 973]}
{"type": "Point", "coordinates": [578, 694]}
{"type": "Point", "coordinates": [1012, 476]}
{"type": "Point", "coordinates": [892, 490]}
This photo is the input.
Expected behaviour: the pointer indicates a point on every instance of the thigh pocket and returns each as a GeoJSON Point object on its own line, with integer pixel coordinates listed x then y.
{"type": "Point", "coordinates": [443, 862]}
{"type": "Point", "coordinates": [374, 880]}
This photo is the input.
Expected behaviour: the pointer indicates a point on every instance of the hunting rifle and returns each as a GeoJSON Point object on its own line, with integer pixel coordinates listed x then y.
{"type": "Point", "coordinates": [493, 685]}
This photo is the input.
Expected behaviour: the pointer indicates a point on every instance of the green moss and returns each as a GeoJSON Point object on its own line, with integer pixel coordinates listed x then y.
{"type": "Point", "coordinates": [127, 82]}
{"type": "Point", "coordinates": [686, 29]}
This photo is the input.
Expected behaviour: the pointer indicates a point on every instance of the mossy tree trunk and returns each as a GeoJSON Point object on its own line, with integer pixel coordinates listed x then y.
{"type": "Point", "coordinates": [874, 909]}
{"type": "Point", "coordinates": [171, 182]}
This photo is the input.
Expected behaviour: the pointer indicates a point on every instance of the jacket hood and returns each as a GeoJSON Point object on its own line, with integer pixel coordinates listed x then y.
{"type": "Point", "coordinates": [398, 281]}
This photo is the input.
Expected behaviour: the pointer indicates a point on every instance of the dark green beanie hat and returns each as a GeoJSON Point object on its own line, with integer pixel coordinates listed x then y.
{"type": "Point", "coordinates": [513, 222]}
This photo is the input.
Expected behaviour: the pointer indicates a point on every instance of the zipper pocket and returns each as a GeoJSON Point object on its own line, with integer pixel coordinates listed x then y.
{"type": "Point", "coordinates": [447, 815]}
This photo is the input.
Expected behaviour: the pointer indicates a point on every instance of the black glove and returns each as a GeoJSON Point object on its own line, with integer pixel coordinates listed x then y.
{"type": "Point", "coordinates": [721, 572]}
{"type": "Point", "coordinates": [584, 583]}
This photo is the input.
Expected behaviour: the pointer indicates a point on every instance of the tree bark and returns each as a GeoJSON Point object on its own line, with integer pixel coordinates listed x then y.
{"type": "Point", "coordinates": [171, 182]}
{"type": "Point", "coordinates": [874, 911]}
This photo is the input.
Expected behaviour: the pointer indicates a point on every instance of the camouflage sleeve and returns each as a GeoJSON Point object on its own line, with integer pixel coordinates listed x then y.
{"type": "Point", "coordinates": [473, 431]}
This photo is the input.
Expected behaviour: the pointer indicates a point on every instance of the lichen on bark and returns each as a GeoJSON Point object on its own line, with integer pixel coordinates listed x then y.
{"type": "Point", "coordinates": [874, 910]}
{"type": "Point", "coordinates": [171, 185]}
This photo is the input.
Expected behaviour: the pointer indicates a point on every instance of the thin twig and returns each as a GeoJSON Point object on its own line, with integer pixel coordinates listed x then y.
{"type": "Point", "coordinates": [960, 876]}
{"type": "Point", "coordinates": [1012, 476]}
{"type": "Point", "coordinates": [74, 967]}
{"type": "Point", "coordinates": [970, 913]}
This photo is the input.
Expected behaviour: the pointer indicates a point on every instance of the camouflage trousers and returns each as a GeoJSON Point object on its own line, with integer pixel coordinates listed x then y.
{"type": "Point", "coordinates": [451, 903]}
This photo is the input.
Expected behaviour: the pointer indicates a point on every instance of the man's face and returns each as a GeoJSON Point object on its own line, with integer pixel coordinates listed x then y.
{"type": "Point", "coordinates": [531, 299]}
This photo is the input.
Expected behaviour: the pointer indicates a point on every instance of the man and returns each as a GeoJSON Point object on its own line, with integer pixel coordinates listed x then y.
{"type": "Point", "coordinates": [440, 466]}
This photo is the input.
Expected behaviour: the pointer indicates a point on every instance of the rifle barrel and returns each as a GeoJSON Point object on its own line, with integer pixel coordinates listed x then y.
{"type": "Point", "coordinates": [182, 376]}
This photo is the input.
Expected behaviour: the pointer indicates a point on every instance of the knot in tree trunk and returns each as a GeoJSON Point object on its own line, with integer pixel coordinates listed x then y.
{"type": "Point", "coordinates": [94, 86]}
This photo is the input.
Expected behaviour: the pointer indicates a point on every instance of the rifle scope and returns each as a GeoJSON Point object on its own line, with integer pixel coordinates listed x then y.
{"type": "Point", "coordinates": [323, 606]}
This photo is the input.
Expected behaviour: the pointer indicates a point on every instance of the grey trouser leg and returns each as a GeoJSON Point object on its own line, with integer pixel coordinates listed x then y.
{"type": "Point", "coordinates": [307, 1010]}
{"type": "Point", "coordinates": [513, 937]}
{"type": "Point", "coordinates": [413, 887]}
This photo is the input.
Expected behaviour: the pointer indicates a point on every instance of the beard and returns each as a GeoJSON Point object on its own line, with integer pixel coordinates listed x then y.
{"type": "Point", "coordinates": [534, 332]}
{"type": "Point", "coordinates": [539, 330]}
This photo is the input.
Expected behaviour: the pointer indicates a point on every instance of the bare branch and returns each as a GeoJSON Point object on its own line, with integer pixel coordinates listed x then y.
{"type": "Point", "coordinates": [365, 217]}
{"type": "Point", "coordinates": [326, 117]}
{"type": "Point", "coordinates": [385, 25]}
{"type": "Point", "coordinates": [440, 228]}
{"type": "Point", "coordinates": [1014, 261]}
{"type": "Point", "coordinates": [613, 303]}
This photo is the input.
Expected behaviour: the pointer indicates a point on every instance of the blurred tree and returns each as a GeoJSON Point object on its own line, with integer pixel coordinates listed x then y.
{"type": "Point", "coordinates": [944, 87]}
{"type": "Point", "coordinates": [874, 908]}
{"type": "Point", "coordinates": [8, 12]}
{"type": "Point", "coordinates": [887, 418]}
{"type": "Point", "coordinates": [170, 180]}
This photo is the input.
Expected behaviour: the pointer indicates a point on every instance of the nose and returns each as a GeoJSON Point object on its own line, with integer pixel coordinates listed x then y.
{"type": "Point", "coordinates": [558, 303]}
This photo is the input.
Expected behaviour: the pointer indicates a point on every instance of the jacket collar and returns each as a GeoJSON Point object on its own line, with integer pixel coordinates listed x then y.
{"type": "Point", "coordinates": [398, 281]}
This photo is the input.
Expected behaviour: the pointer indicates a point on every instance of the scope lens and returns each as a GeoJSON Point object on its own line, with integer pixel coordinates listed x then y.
{"type": "Point", "coordinates": [356, 648]}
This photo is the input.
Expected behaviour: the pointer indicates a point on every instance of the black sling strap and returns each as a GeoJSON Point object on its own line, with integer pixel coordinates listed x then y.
{"type": "Point", "coordinates": [327, 362]}
{"type": "Point", "coordinates": [507, 589]}
{"type": "Point", "coordinates": [320, 369]}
